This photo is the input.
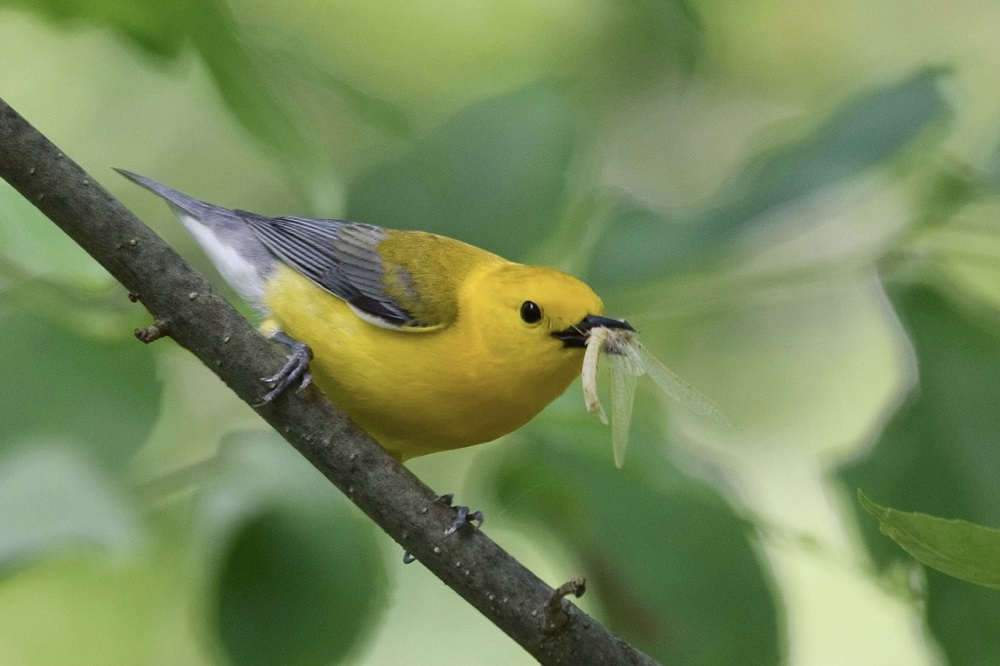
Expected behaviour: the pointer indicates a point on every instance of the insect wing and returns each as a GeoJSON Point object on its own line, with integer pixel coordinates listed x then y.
{"type": "Point", "coordinates": [678, 389]}
{"type": "Point", "coordinates": [624, 370]}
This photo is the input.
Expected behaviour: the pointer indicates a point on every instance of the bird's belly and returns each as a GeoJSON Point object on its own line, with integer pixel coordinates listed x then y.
{"type": "Point", "coordinates": [414, 406]}
{"type": "Point", "coordinates": [436, 421]}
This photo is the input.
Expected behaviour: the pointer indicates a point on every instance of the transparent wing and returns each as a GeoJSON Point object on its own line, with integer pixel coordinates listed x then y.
{"type": "Point", "coordinates": [624, 370]}
{"type": "Point", "coordinates": [678, 389]}
{"type": "Point", "coordinates": [627, 359]}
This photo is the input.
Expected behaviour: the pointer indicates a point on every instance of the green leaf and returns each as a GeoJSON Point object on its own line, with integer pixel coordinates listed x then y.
{"type": "Point", "coordinates": [649, 36]}
{"type": "Point", "coordinates": [298, 574]}
{"type": "Point", "coordinates": [939, 455]}
{"type": "Point", "coordinates": [166, 26]}
{"type": "Point", "coordinates": [153, 26]}
{"type": "Point", "coordinates": [493, 175]}
{"type": "Point", "coordinates": [672, 568]}
{"type": "Point", "coordinates": [959, 548]}
{"type": "Point", "coordinates": [642, 244]}
{"type": "Point", "coordinates": [64, 386]}
{"type": "Point", "coordinates": [249, 95]}
{"type": "Point", "coordinates": [292, 592]}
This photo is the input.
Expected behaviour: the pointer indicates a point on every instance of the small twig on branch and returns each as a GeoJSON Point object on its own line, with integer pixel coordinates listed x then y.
{"type": "Point", "coordinates": [153, 332]}
{"type": "Point", "coordinates": [205, 324]}
{"type": "Point", "coordinates": [556, 616]}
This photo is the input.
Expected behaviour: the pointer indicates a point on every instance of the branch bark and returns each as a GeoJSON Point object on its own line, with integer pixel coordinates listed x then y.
{"type": "Point", "coordinates": [486, 576]}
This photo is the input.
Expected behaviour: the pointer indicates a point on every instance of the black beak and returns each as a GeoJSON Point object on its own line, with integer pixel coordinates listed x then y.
{"type": "Point", "coordinates": [576, 336]}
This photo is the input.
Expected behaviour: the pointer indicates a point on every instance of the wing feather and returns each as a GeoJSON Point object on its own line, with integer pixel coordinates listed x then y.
{"type": "Point", "coordinates": [340, 257]}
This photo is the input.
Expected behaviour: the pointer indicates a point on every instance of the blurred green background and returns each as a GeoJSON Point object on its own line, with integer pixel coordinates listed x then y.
{"type": "Point", "coordinates": [796, 204]}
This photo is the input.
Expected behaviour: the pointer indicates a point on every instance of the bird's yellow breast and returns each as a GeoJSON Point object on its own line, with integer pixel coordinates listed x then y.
{"type": "Point", "coordinates": [419, 392]}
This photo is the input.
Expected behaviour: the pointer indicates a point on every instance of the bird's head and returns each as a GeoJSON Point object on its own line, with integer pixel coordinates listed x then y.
{"type": "Point", "coordinates": [535, 315]}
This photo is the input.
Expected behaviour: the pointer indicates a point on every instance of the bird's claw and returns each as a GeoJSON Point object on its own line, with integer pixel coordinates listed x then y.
{"type": "Point", "coordinates": [464, 516]}
{"type": "Point", "coordinates": [295, 370]}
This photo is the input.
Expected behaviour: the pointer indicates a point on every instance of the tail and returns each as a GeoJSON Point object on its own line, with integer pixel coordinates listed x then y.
{"type": "Point", "coordinates": [224, 235]}
{"type": "Point", "coordinates": [180, 202]}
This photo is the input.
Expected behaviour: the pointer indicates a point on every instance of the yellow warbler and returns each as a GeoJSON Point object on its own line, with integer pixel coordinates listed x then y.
{"type": "Point", "coordinates": [425, 342]}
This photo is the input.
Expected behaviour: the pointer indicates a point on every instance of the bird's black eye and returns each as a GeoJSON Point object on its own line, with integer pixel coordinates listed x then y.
{"type": "Point", "coordinates": [530, 312]}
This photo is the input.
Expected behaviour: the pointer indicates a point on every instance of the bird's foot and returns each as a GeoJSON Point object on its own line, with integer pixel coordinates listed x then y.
{"type": "Point", "coordinates": [295, 370]}
{"type": "Point", "coordinates": [465, 516]}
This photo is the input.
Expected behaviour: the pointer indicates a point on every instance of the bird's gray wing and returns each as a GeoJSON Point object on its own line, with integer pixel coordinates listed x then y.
{"type": "Point", "coordinates": [340, 257]}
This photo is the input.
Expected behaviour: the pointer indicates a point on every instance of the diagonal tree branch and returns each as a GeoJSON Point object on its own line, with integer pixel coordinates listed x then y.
{"type": "Point", "coordinates": [200, 320]}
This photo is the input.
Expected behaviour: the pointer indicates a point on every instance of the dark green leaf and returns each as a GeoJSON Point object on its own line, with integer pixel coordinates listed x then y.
{"type": "Point", "coordinates": [939, 455]}
{"type": "Point", "coordinates": [670, 564]}
{"type": "Point", "coordinates": [166, 26]}
{"type": "Point", "coordinates": [300, 577]}
{"type": "Point", "coordinates": [295, 589]}
{"type": "Point", "coordinates": [957, 547]}
{"type": "Point", "coordinates": [153, 25]}
{"type": "Point", "coordinates": [59, 385]}
{"type": "Point", "coordinates": [640, 244]}
{"type": "Point", "coordinates": [248, 94]}
{"type": "Point", "coordinates": [493, 175]}
{"type": "Point", "coordinates": [650, 36]}
{"type": "Point", "coordinates": [862, 133]}
{"type": "Point", "coordinates": [282, 52]}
